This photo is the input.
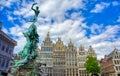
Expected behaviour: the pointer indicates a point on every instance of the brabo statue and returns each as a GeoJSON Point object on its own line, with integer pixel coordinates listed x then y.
{"type": "Point", "coordinates": [36, 11]}
{"type": "Point", "coordinates": [28, 54]}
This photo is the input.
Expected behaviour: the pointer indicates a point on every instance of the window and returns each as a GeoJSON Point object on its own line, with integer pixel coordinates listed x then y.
{"type": "Point", "coordinates": [7, 63]}
{"type": "Point", "coordinates": [0, 45]}
{"type": "Point", "coordinates": [0, 60]}
{"type": "Point", "coordinates": [50, 49]}
{"type": "Point", "coordinates": [3, 47]}
{"type": "Point", "coordinates": [58, 48]}
{"type": "Point", "coordinates": [115, 61]}
{"type": "Point", "coordinates": [116, 68]}
{"type": "Point", "coordinates": [3, 63]}
{"type": "Point", "coordinates": [42, 49]}
{"type": "Point", "coordinates": [7, 49]}
{"type": "Point", "coordinates": [10, 51]}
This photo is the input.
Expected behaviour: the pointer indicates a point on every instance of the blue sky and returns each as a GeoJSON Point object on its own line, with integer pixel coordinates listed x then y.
{"type": "Point", "coordinates": [86, 22]}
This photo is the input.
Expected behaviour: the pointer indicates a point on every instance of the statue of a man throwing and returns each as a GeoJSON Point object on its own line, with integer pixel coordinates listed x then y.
{"type": "Point", "coordinates": [36, 11]}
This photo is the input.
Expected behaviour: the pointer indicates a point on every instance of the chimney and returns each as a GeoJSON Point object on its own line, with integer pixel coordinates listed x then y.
{"type": "Point", "coordinates": [0, 25]}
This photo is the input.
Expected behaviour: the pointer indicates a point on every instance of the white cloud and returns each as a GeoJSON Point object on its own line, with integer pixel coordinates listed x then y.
{"type": "Point", "coordinates": [100, 7]}
{"type": "Point", "coordinates": [7, 3]}
{"type": "Point", "coordinates": [48, 10]}
{"type": "Point", "coordinates": [24, 11]}
{"type": "Point", "coordinates": [115, 3]}
{"type": "Point", "coordinates": [10, 18]}
{"type": "Point", "coordinates": [95, 28]}
{"type": "Point", "coordinates": [52, 9]}
{"type": "Point", "coordinates": [73, 28]}
{"type": "Point", "coordinates": [102, 44]}
{"type": "Point", "coordinates": [5, 30]}
{"type": "Point", "coordinates": [118, 20]}
{"type": "Point", "coordinates": [105, 47]}
{"type": "Point", "coordinates": [109, 33]}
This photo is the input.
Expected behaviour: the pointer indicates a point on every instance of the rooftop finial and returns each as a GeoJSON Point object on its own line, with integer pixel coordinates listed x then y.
{"type": "Point", "coordinates": [81, 48]}
{"type": "Point", "coordinates": [59, 39]}
{"type": "Point", "coordinates": [115, 49]}
{"type": "Point", "coordinates": [70, 40]}
{"type": "Point", "coordinates": [48, 33]}
{"type": "Point", "coordinates": [90, 48]}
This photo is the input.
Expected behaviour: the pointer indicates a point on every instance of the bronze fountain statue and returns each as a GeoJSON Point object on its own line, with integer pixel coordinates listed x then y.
{"type": "Point", "coordinates": [29, 53]}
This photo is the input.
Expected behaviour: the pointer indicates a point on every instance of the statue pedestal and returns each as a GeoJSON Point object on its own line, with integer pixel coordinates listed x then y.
{"type": "Point", "coordinates": [24, 72]}
{"type": "Point", "coordinates": [28, 69]}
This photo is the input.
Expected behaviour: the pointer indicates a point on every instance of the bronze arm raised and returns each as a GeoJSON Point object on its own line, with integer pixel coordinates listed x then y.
{"type": "Point", "coordinates": [33, 6]}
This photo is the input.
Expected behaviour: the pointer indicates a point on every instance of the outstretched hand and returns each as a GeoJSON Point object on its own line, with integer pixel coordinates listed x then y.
{"type": "Point", "coordinates": [34, 3]}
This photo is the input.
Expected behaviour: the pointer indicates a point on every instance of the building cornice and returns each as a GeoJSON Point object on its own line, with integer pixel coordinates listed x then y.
{"type": "Point", "coordinates": [3, 36]}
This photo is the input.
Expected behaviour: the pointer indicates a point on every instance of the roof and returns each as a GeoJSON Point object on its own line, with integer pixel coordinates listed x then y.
{"type": "Point", "coordinates": [112, 53]}
{"type": "Point", "coordinates": [2, 34]}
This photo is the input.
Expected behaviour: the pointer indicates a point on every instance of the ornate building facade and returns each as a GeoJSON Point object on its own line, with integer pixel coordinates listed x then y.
{"type": "Point", "coordinates": [63, 60]}
{"type": "Point", "coordinates": [46, 55]}
{"type": "Point", "coordinates": [82, 54]}
{"type": "Point", "coordinates": [110, 64]}
{"type": "Point", "coordinates": [91, 52]}
{"type": "Point", "coordinates": [71, 60]}
{"type": "Point", "coordinates": [59, 58]}
{"type": "Point", "coordinates": [7, 45]}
